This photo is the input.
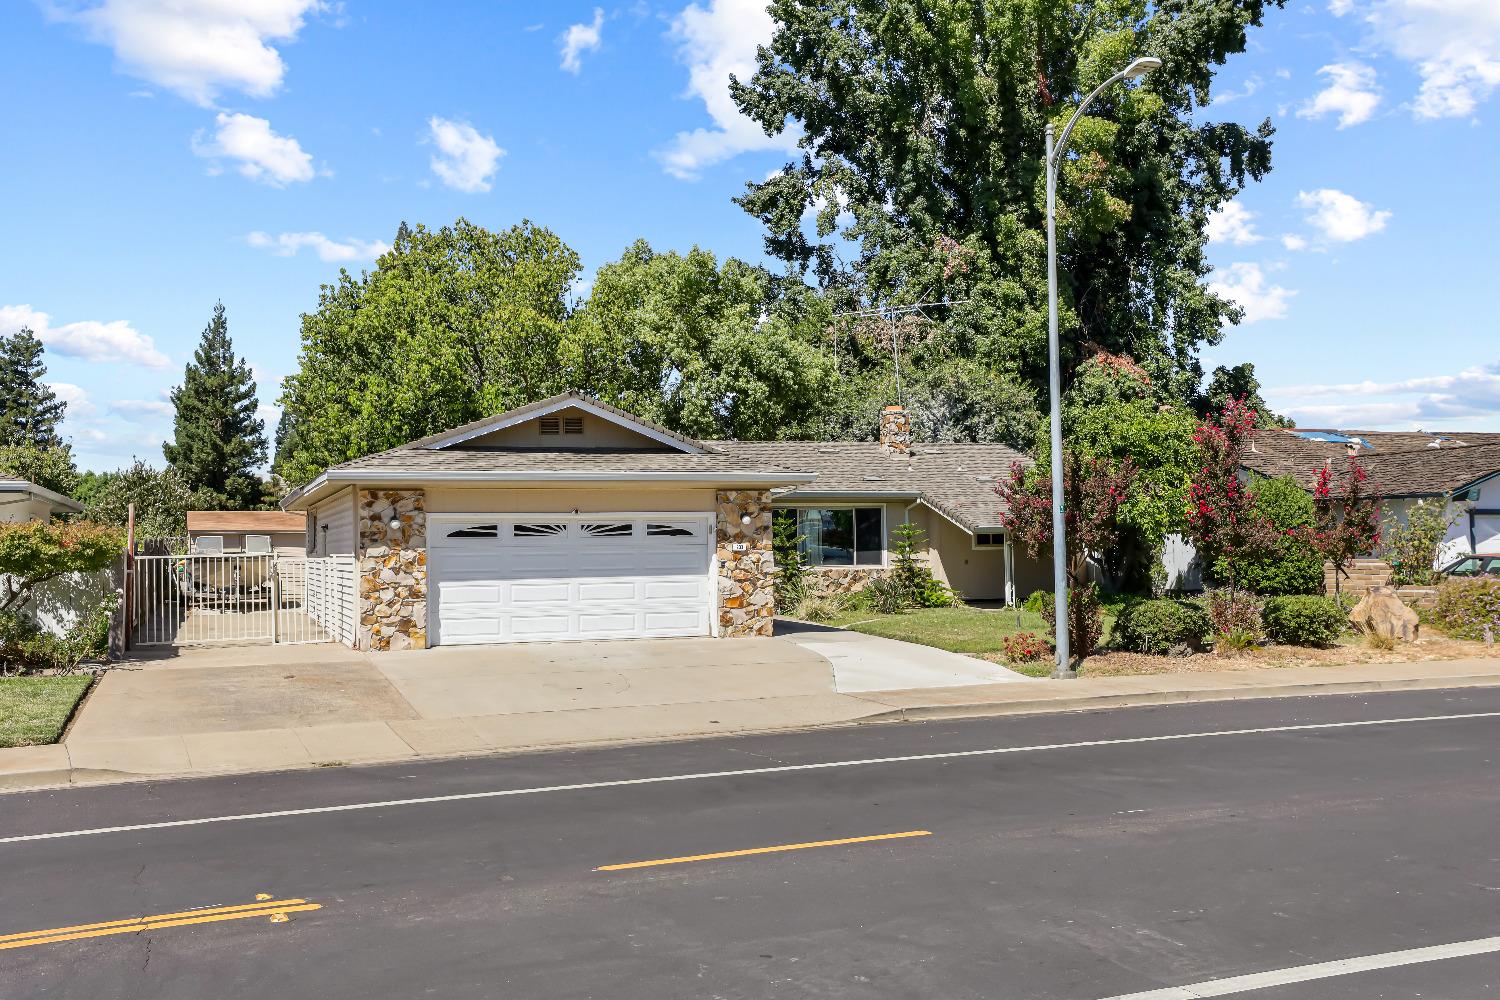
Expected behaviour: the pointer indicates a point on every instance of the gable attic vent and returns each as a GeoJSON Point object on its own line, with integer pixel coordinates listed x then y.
{"type": "Point", "coordinates": [572, 425]}
{"type": "Point", "coordinates": [548, 425]}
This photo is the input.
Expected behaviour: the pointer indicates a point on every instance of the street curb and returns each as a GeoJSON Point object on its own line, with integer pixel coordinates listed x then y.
{"type": "Point", "coordinates": [1143, 699]}
{"type": "Point", "coordinates": [50, 779]}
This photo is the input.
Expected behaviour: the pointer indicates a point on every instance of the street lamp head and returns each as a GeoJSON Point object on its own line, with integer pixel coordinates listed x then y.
{"type": "Point", "coordinates": [1141, 67]}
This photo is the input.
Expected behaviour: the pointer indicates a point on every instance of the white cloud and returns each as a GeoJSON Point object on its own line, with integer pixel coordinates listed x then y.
{"type": "Point", "coordinates": [277, 160]}
{"type": "Point", "coordinates": [113, 342]}
{"type": "Point", "coordinates": [1234, 224]}
{"type": "Point", "coordinates": [332, 251]}
{"type": "Point", "coordinates": [1250, 88]}
{"type": "Point", "coordinates": [1352, 94]}
{"type": "Point", "coordinates": [1246, 286]}
{"type": "Point", "coordinates": [716, 42]}
{"type": "Point", "coordinates": [142, 409]}
{"type": "Point", "coordinates": [1338, 8]}
{"type": "Point", "coordinates": [466, 160]}
{"type": "Point", "coordinates": [581, 38]}
{"type": "Point", "coordinates": [197, 47]}
{"type": "Point", "coordinates": [1339, 217]}
{"type": "Point", "coordinates": [1454, 45]}
{"type": "Point", "coordinates": [1473, 392]}
{"type": "Point", "coordinates": [1294, 242]}
{"type": "Point", "coordinates": [77, 398]}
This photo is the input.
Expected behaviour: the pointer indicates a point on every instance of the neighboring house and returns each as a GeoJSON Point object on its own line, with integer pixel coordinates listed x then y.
{"type": "Point", "coordinates": [24, 501]}
{"type": "Point", "coordinates": [251, 532]}
{"type": "Point", "coordinates": [1459, 469]}
{"type": "Point", "coordinates": [571, 519]}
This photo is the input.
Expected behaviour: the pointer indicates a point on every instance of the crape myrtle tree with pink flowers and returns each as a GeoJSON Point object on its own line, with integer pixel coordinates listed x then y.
{"type": "Point", "coordinates": [1348, 523]}
{"type": "Point", "coordinates": [1093, 490]}
{"type": "Point", "coordinates": [1222, 520]}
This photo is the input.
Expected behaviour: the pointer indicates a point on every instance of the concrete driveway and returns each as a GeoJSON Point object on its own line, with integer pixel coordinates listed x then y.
{"type": "Point", "coordinates": [206, 709]}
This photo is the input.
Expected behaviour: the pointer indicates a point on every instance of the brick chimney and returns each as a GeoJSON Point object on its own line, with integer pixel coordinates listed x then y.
{"type": "Point", "coordinates": [895, 430]}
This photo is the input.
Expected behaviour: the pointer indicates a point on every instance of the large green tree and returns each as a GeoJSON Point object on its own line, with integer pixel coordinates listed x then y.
{"type": "Point", "coordinates": [162, 498]}
{"type": "Point", "coordinates": [451, 325]}
{"type": "Point", "coordinates": [707, 350]}
{"type": "Point", "coordinates": [29, 409]}
{"type": "Point", "coordinates": [50, 468]}
{"type": "Point", "coordinates": [218, 441]}
{"type": "Point", "coordinates": [921, 124]}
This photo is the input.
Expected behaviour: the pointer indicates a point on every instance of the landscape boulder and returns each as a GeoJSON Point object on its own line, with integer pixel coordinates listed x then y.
{"type": "Point", "coordinates": [1382, 612]}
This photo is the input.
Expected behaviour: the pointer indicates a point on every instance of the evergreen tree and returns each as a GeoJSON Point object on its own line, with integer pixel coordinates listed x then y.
{"type": "Point", "coordinates": [218, 438]}
{"type": "Point", "coordinates": [29, 410]}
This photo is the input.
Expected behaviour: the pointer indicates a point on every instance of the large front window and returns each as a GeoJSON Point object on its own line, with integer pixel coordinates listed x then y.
{"type": "Point", "coordinates": [839, 536]}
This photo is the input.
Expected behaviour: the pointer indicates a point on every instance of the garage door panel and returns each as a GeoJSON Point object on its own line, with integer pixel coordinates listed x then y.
{"type": "Point", "coordinates": [603, 578]}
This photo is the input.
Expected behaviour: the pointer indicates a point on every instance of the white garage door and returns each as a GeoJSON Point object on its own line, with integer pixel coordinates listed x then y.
{"type": "Point", "coordinates": [546, 577]}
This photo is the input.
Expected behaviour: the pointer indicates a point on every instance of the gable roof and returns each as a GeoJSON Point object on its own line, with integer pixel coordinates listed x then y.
{"type": "Point", "coordinates": [1396, 469]}
{"type": "Point", "coordinates": [552, 404]}
{"type": "Point", "coordinates": [36, 492]}
{"type": "Point", "coordinates": [250, 521]}
{"type": "Point", "coordinates": [956, 480]}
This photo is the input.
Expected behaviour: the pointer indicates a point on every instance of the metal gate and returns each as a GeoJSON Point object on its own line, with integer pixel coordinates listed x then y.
{"type": "Point", "coordinates": [200, 599]}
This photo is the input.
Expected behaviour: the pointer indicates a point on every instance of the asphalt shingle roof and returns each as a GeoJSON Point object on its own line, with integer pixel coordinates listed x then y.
{"type": "Point", "coordinates": [625, 460]}
{"type": "Point", "coordinates": [1395, 467]}
{"type": "Point", "coordinates": [957, 479]}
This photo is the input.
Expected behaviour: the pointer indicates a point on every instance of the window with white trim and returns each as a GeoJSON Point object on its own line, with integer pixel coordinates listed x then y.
{"type": "Point", "coordinates": [839, 536]}
{"type": "Point", "coordinates": [989, 540]}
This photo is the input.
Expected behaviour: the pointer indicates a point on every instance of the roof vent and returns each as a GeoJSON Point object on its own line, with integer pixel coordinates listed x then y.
{"type": "Point", "coordinates": [874, 479]}
{"type": "Point", "coordinates": [572, 425]}
{"type": "Point", "coordinates": [549, 425]}
{"type": "Point", "coordinates": [828, 451]}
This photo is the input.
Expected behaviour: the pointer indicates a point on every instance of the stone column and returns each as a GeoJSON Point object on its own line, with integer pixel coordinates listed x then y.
{"type": "Point", "coordinates": [392, 569]}
{"type": "Point", "coordinates": [747, 600]}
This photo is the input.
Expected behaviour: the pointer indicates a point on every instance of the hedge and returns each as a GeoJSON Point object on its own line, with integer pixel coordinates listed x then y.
{"type": "Point", "coordinates": [1466, 606]}
{"type": "Point", "coordinates": [1158, 626]}
{"type": "Point", "coordinates": [1303, 621]}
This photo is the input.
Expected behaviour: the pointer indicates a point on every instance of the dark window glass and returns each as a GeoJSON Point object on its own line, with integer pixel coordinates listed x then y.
{"type": "Point", "coordinates": [669, 531]}
{"type": "Point", "coordinates": [536, 530]}
{"type": "Point", "coordinates": [477, 531]}
{"type": "Point", "coordinates": [621, 530]}
{"type": "Point", "coordinates": [869, 543]}
{"type": "Point", "coordinates": [827, 537]}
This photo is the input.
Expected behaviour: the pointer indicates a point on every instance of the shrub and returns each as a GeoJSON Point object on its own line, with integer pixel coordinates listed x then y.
{"type": "Point", "coordinates": [1025, 647]}
{"type": "Point", "coordinates": [1303, 621]}
{"type": "Point", "coordinates": [1382, 641]}
{"type": "Point", "coordinates": [1412, 547]}
{"type": "Point", "coordinates": [1037, 601]}
{"type": "Point", "coordinates": [27, 648]}
{"type": "Point", "coordinates": [1233, 611]}
{"type": "Point", "coordinates": [1465, 607]}
{"type": "Point", "coordinates": [1083, 608]}
{"type": "Point", "coordinates": [911, 575]}
{"type": "Point", "coordinates": [1236, 640]}
{"type": "Point", "coordinates": [883, 596]}
{"type": "Point", "coordinates": [791, 572]}
{"type": "Point", "coordinates": [1292, 565]}
{"type": "Point", "coordinates": [1157, 626]}
{"type": "Point", "coordinates": [815, 608]}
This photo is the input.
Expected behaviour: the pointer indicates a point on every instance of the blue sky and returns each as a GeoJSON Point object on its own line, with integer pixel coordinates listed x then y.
{"type": "Point", "coordinates": [165, 154]}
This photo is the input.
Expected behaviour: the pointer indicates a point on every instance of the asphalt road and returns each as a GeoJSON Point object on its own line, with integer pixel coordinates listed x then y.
{"type": "Point", "coordinates": [1174, 849]}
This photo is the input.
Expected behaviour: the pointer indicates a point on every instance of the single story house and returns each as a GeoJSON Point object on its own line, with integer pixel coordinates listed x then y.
{"type": "Point", "coordinates": [249, 532]}
{"type": "Point", "coordinates": [25, 501]}
{"type": "Point", "coordinates": [571, 519]}
{"type": "Point", "coordinates": [1459, 469]}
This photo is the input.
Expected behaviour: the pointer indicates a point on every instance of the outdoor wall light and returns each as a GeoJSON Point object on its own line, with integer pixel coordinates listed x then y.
{"type": "Point", "coordinates": [745, 519]}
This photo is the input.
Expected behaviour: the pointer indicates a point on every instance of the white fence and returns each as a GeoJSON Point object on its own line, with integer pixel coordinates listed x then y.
{"type": "Point", "coordinates": [199, 599]}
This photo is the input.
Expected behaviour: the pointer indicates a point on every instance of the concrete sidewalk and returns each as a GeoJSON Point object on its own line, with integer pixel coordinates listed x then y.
{"type": "Point", "coordinates": [651, 710]}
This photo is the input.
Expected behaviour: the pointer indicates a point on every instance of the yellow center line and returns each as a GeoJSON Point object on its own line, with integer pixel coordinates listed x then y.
{"type": "Point", "coordinates": [134, 925]}
{"type": "Point", "coordinates": [764, 850]}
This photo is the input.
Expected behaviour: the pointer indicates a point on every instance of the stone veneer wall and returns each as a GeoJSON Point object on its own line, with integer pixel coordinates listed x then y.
{"type": "Point", "coordinates": [747, 599]}
{"type": "Point", "coordinates": [834, 581]}
{"type": "Point", "coordinates": [392, 570]}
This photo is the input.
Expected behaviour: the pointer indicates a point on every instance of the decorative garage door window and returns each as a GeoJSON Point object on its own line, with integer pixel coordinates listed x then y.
{"type": "Point", "coordinates": [476, 531]}
{"type": "Point", "coordinates": [618, 529]}
{"type": "Point", "coordinates": [839, 536]}
{"type": "Point", "coordinates": [675, 530]}
{"type": "Point", "coordinates": [537, 530]}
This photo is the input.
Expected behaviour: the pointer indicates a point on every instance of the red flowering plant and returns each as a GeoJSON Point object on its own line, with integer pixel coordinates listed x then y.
{"type": "Point", "coordinates": [1093, 490]}
{"type": "Point", "coordinates": [1222, 521]}
{"type": "Point", "coordinates": [1347, 524]}
{"type": "Point", "coordinates": [1025, 647]}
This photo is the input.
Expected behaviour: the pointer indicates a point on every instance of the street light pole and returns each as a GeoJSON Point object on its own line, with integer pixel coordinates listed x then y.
{"type": "Point", "coordinates": [1056, 146]}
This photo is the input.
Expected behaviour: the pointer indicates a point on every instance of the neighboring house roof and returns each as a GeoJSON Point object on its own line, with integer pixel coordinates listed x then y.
{"type": "Point", "coordinates": [539, 462]}
{"type": "Point", "coordinates": [36, 492]}
{"type": "Point", "coordinates": [259, 522]}
{"type": "Point", "coordinates": [956, 480]}
{"type": "Point", "coordinates": [1396, 469]}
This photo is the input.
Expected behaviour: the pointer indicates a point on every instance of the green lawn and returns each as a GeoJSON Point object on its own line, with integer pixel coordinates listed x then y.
{"type": "Point", "coordinates": [975, 631]}
{"type": "Point", "coordinates": [34, 710]}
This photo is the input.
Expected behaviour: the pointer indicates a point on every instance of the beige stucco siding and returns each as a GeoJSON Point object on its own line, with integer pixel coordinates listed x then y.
{"type": "Point", "coordinates": [977, 574]}
{"type": "Point", "coordinates": [596, 497]}
{"type": "Point", "coordinates": [597, 433]}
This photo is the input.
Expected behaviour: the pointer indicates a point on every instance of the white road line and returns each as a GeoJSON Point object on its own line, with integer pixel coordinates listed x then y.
{"type": "Point", "coordinates": [745, 772]}
{"type": "Point", "coordinates": [1323, 970]}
